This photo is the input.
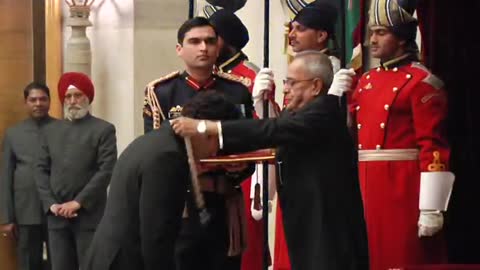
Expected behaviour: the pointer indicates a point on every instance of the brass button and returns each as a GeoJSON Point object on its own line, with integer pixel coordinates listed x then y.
{"type": "Point", "coordinates": [395, 89]}
{"type": "Point", "coordinates": [382, 125]}
{"type": "Point", "coordinates": [360, 90]}
{"type": "Point", "coordinates": [360, 146]}
{"type": "Point", "coordinates": [357, 108]}
{"type": "Point", "coordinates": [378, 69]}
{"type": "Point", "coordinates": [378, 147]}
{"type": "Point", "coordinates": [386, 107]}
{"type": "Point", "coordinates": [368, 77]}
{"type": "Point", "coordinates": [408, 76]}
{"type": "Point", "coordinates": [395, 69]}
{"type": "Point", "coordinates": [359, 126]}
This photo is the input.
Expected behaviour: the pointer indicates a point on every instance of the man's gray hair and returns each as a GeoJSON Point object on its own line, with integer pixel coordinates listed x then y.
{"type": "Point", "coordinates": [318, 65]}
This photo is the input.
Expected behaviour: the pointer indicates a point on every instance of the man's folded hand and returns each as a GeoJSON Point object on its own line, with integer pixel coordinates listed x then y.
{"type": "Point", "coordinates": [69, 209]}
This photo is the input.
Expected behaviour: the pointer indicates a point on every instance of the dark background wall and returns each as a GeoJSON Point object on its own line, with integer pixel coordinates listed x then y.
{"type": "Point", "coordinates": [451, 50]}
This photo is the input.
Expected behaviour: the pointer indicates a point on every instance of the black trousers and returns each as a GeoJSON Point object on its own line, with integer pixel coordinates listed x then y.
{"type": "Point", "coordinates": [203, 247]}
{"type": "Point", "coordinates": [31, 239]}
{"type": "Point", "coordinates": [68, 247]}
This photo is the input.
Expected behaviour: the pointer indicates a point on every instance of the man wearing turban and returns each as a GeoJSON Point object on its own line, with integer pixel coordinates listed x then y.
{"type": "Point", "coordinates": [73, 171]}
{"type": "Point", "coordinates": [399, 110]}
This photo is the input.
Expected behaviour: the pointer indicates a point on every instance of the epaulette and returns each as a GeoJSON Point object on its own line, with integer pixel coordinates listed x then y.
{"type": "Point", "coordinates": [151, 105]}
{"type": "Point", "coordinates": [430, 79]}
{"type": "Point", "coordinates": [251, 66]}
{"type": "Point", "coordinates": [235, 78]}
{"type": "Point", "coordinates": [163, 79]}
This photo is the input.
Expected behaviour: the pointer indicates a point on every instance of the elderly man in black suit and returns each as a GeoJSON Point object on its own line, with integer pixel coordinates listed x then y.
{"type": "Point", "coordinates": [318, 184]}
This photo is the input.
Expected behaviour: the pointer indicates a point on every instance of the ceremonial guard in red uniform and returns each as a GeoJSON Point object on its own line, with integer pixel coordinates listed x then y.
{"type": "Point", "coordinates": [399, 109]}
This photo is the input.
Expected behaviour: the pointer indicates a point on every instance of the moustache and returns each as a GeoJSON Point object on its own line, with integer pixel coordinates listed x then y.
{"type": "Point", "coordinates": [74, 107]}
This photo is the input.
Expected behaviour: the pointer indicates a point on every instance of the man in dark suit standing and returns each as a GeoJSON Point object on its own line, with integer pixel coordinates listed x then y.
{"type": "Point", "coordinates": [21, 215]}
{"type": "Point", "coordinates": [318, 183]}
{"type": "Point", "coordinates": [147, 195]}
{"type": "Point", "coordinates": [73, 171]}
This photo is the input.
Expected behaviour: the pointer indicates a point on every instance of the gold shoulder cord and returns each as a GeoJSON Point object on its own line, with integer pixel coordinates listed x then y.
{"type": "Point", "coordinates": [157, 112]}
{"type": "Point", "coordinates": [436, 165]}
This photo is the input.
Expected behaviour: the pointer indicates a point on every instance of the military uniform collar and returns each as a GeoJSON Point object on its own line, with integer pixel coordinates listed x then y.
{"type": "Point", "coordinates": [232, 62]}
{"type": "Point", "coordinates": [399, 61]}
{"type": "Point", "coordinates": [197, 85]}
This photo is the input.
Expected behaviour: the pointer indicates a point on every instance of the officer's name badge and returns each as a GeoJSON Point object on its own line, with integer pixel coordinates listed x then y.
{"type": "Point", "coordinates": [175, 112]}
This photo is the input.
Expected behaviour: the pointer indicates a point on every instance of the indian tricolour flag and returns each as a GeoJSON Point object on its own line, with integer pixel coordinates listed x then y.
{"type": "Point", "coordinates": [354, 32]}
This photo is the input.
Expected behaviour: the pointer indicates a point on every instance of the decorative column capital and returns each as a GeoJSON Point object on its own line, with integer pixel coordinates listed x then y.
{"type": "Point", "coordinates": [78, 53]}
{"type": "Point", "coordinates": [79, 13]}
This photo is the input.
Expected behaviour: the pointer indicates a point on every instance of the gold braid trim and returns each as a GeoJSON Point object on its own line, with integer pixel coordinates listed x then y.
{"type": "Point", "coordinates": [152, 101]}
{"type": "Point", "coordinates": [231, 77]}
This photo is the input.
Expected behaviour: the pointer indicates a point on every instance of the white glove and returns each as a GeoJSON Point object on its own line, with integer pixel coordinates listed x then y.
{"type": "Point", "coordinates": [342, 82]}
{"type": "Point", "coordinates": [263, 84]}
{"type": "Point", "coordinates": [335, 63]}
{"type": "Point", "coordinates": [430, 222]}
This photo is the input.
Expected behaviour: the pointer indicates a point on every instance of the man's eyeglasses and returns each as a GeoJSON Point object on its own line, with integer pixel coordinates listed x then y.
{"type": "Point", "coordinates": [291, 82]}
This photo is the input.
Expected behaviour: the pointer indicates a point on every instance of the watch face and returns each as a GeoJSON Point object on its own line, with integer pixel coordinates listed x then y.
{"type": "Point", "coordinates": [202, 127]}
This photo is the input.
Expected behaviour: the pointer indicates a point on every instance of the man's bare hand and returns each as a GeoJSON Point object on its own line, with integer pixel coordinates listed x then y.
{"type": "Point", "coordinates": [185, 127]}
{"type": "Point", "coordinates": [69, 209]}
{"type": "Point", "coordinates": [9, 230]}
{"type": "Point", "coordinates": [54, 208]}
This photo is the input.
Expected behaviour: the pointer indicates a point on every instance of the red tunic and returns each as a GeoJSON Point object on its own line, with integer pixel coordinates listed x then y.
{"type": "Point", "coordinates": [399, 107]}
{"type": "Point", "coordinates": [252, 258]}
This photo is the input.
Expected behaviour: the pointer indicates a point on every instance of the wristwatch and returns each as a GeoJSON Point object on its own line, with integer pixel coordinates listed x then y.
{"type": "Point", "coordinates": [202, 127]}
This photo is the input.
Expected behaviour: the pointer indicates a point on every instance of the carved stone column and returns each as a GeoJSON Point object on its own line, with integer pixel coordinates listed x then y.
{"type": "Point", "coordinates": [78, 55]}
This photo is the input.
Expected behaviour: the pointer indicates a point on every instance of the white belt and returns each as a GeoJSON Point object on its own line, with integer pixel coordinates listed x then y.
{"type": "Point", "coordinates": [388, 155]}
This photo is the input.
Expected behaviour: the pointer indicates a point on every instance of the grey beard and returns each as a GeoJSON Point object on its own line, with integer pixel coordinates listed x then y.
{"type": "Point", "coordinates": [75, 114]}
